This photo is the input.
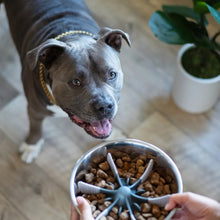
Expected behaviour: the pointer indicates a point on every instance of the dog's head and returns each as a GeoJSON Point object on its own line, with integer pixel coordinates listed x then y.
{"type": "Point", "coordinates": [85, 77]}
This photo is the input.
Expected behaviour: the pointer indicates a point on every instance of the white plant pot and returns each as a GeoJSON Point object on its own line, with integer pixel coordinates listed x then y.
{"type": "Point", "coordinates": [192, 94]}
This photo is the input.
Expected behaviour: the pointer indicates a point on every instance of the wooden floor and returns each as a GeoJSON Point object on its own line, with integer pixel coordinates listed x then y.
{"type": "Point", "coordinates": [146, 112]}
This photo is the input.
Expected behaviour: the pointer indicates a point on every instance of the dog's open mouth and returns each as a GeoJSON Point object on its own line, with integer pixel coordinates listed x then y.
{"type": "Point", "coordinates": [98, 129]}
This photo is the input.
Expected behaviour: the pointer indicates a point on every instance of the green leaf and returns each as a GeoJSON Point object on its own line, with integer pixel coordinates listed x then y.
{"type": "Point", "coordinates": [182, 10]}
{"type": "Point", "coordinates": [171, 28]}
{"type": "Point", "coordinates": [214, 3]}
{"type": "Point", "coordinates": [200, 7]}
{"type": "Point", "coordinates": [214, 13]}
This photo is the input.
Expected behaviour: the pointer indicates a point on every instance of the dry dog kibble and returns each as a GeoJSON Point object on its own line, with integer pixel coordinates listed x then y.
{"type": "Point", "coordinates": [147, 215]}
{"type": "Point", "coordinates": [89, 177]}
{"type": "Point", "coordinates": [119, 163]}
{"type": "Point", "coordinates": [145, 207]}
{"type": "Point", "coordinates": [139, 163]}
{"type": "Point", "coordinates": [159, 183]}
{"type": "Point", "coordinates": [96, 213]}
{"type": "Point", "coordinates": [155, 211]}
{"type": "Point", "coordinates": [124, 216]}
{"type": "Point", "coordinates": [102, 174]}
{"type": "Point", "coordinates": [155, 178]}
{"type": "Point", "coordinates": [115, 210]}
{"type": "Point", "coordinates": [104, 166]}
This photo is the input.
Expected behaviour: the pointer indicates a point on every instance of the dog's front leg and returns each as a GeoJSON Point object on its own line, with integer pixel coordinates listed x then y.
{"type": "Point", "coordinates": [31, 148]}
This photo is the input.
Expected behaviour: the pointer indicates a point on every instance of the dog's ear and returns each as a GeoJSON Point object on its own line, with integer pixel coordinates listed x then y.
{"type": "Point", "coordinates": [45, 53]}
{"type": "Point", "coordinates": [113, 37]}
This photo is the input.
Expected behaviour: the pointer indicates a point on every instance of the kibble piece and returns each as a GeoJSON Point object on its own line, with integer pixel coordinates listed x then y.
{"type": "Point", "coordinates": [141, 169]}
{"type": "Point", "coordinates": [93, 208]}
{"type": "Point", "coordinates": [140, 187]}
{"type": "Point", "coordinates": [109, 218]}
{"type": "Point", "coordinates": [152, 218]}
{"type": "Point", "coordinates": [167, 189]}
{"type": "Point", "coordinates": [96, 213]}
{"type": "Point", "coordinates": [109, 186]}
{"type": "Point", "coordinates": [146, 194]}
{"type": "Point", "coordinates": [110, 179]}
{"type": "Point", "coordinates": [156, 211]}
{"type": "Point", "coordinates": [161, 217]}
{"type": "Point", "coordinates": [132, 180]}
{"type": "Point", "coordinates": [145, 207]}
{"type": "Point", "coordinates": [162, 180]}
{"type": "Point", "coordinates": [100, 196]}
{"type": "Point", "coordinates": [113, 215]}
{"type": "Point", "coordinates": [115, 210]}
{"type": "Point", "coordinates": [103, 218]}
{"type": "Point", "coordinates": [173, 187]}
{"type": "Point", "coordinates": [92, 197]}
{"type": "Point", "coordinates": [101, 174]}
{"type": "Point", "coordinates": [101, 184]}
{"type": "Point", "coordinates": [126, 158]}
{"type": "Point", "coordinates": [164, 212]}
{"type": "Point", "coordinates": [101, 207]}
{"type": "Point", "coordinates": [159, 189]}
{"type": "Point", "coordinates": [133, 170]}
{"type": "Point", "coordinates": [147, 215]}
{"type": "Point", "coordinates": [89, 177]}
{"type": "Point", "coordinates": [133, 165]}
{"type": "Point", "coordinates": [104, 166]}
{"type": "Point", "coordinates": [119, 162]}
{"type": "Point", "coordinates": [138, 175]}
{"type": "Point", "coordinates": [139, 163]}
{"type": "Point", "coordinates": [93, 170]}
{"type": "Point", "coordinates": [98, 159]}
{"type": "Point", "coordinates": [124, 216]}
{"type": "Point", "coordinates": [94, 202]}
{"type": "Point", "coordinates": [155, 177]}
{"type": "Point", "coordinates": [126, 165]}
{"type": "Point", "coordinates": [140, 217]}
{"type": "Point", "coordinates": [168, 179]}
{"type": "Point", "coordinates": [148, 186]}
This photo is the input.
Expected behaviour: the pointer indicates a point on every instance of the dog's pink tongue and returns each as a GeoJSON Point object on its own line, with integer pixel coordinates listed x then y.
{"type": "Point", "coordinates": [102, 128]}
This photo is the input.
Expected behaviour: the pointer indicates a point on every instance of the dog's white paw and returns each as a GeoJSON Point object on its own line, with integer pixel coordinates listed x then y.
{"type": "Point", "coordinates": [29, 152]}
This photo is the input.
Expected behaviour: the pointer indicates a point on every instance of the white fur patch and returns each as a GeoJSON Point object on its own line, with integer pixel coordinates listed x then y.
{"type": "Point", "coordinates": [58, 112]}
{"type": "Point", "coordinates": [30, 152]}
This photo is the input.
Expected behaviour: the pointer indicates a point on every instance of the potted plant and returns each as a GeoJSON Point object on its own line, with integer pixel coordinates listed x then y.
{"type": "Point", "coordinates": [196, 86]}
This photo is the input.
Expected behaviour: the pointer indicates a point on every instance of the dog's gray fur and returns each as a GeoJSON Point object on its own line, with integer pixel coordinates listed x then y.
{"type": "Point", "coordinates": [83, 72]}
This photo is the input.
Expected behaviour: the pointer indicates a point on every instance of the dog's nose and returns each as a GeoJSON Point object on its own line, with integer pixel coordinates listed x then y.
{"type": "Point", "coordinates": [103, 108]}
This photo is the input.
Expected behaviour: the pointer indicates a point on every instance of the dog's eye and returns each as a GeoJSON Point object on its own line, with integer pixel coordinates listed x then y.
{"type": "Point", "coordinates": [112, 75]}
{"type": "Point", "coordinates": [76, 82]}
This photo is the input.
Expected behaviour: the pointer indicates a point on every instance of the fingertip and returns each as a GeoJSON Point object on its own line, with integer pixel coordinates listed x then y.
{"type": "Point", "coordinates": [85, 209]}
{"type": "Point", "coordinates": [80, 200]}
{"type": "Point", "coordinates": [167, 207]}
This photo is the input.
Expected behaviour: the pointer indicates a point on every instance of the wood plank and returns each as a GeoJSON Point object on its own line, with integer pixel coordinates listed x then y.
{"type": "Point", "coordinates": [29, 188]}
{"type": "Point", "coordinates": [8, 211]}
{"type": "Point", "coordinates": [193, 161]}
{"type": "Point", "coordinates": [146, 111]}
{"type": "Point", "coordinates": [7, 92]}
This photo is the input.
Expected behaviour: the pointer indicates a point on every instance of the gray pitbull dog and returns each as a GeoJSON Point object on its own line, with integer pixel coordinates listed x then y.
{"type": "Point", "coordinates": [68, 64]}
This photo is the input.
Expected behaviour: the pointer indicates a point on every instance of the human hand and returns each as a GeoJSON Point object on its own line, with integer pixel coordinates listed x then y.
{"type": "Point", "coordinates": [85, 210]}
{"type": "Point", "coordinates": [193, 207]}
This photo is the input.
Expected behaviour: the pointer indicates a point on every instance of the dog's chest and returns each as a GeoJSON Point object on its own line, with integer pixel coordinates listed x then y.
{"type": "Point", "coordinates": [57, 111]}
